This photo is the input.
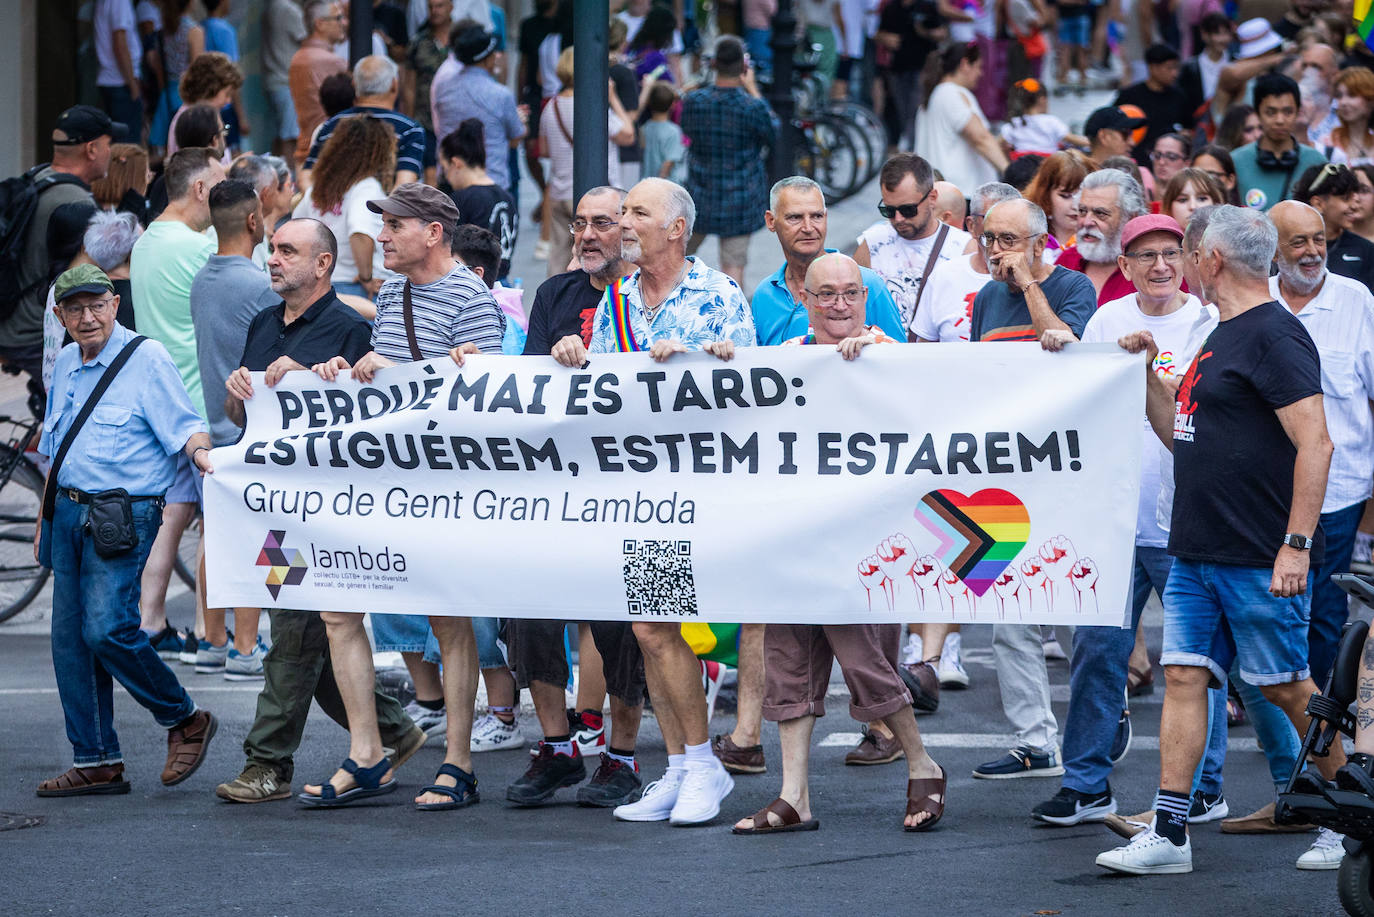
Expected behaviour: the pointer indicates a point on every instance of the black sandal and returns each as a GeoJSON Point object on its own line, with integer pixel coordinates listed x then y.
{"type": "Point", "coordinates": [464, 794]}
{"type": "Point", "coordinates": [367, 780]}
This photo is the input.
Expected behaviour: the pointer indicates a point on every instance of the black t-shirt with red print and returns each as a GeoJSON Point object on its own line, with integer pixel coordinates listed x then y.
{"type": "Point", "coordinates": [564, 304]}
{"type": "Point", "coordinates": [1233, 462]}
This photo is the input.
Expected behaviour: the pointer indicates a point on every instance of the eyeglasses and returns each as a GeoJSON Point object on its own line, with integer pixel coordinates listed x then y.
{"type": "Point", "coordinates": [1164, 156]}
{"type": "Point", "coordinates": [97, 308]}
{"type": "Point", "coordinates": [1002, 239]}
{"type": "Point", "coordinates": [851, 296]}
{"type": "Point", "coordinates": [908, 211]}
{"type": "Point", "coordinates": [1222, 176]}
{"type": "Point", "coordinates": [1147, 258]}
{"type": "Point", "coordinates": [600, 224]}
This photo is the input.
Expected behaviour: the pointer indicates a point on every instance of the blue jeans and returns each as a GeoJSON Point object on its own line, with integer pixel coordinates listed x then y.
{"type": "Point", "coordinates": [760, 43]}
{"type": "Point", "coordinates": [96, 637]}
{"type": "Point", "coordinates": [1097, 680]}
{"type": "Point", "coordinates": [124, 109]}
{"type": "Point", "coordinates": [1207, 777]}
{"type": "Point", "coordinates": [1273, 729]}
{"type": "Point", "coordinates": [489, 655]}
{"type": "Point", "coordinates": [1330, 608]}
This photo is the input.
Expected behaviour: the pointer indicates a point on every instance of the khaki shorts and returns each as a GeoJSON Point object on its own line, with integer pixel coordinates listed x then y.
{"type": "Point", "coordinates": [734, 250]}
{"type": "Point", "coordinates": [797, 662]}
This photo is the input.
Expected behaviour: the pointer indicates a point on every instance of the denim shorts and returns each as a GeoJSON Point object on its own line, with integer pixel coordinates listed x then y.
{"type": "Point", "coordinates": [288, 128]}
{"type": "Point", "coordinates": [1215, 614]}
{"type": "Point", "coordinates": [1075, 29]}
{"type": "Point", "coordinates": [412, 634]}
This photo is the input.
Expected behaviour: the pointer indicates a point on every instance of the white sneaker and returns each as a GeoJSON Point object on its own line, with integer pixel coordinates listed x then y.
{"type": "Point", "coordinates": [1326, 851]}
{"type": "Point", "coordinates": [541, 250]}
{"type": "Point", "coordinates": [703, 790]}
{"type": "Point", "coordinates": [491, 734]}
{"type": "Point", "coordinates": [1053, 649]}
{"type": "Point", "coordinates": [912, 649]}
{"type": "Point", "coordinates": [433, 722]}
{"type": "Point", "coordinates": [658, 799]}
{"type": "Point", "coordinates": [590, 741]}
{"type": "Point", "coordinates": [1149, 854]}
{"type": "Point", "coordinates": [951, 670]}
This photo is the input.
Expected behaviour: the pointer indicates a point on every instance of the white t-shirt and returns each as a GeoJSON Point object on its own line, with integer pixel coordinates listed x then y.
{"type": "Point", "coordinates": [984, 24]}
{"type": "Point", "coordinates": [939, 142]}
{"type": "Point", "coordinates": [902, 263]}
{"type": "Point", "coordinates": [1178, 338]}
{"type": "Point", "coordinates": [852, 14]}
{"type": "Point", "coordinates": [1210, 71]}
{"type": "Point", "coordinates": [559, 148]}
{"type": "Point", "coordinates": [1042, 133]}
{"type": "Point", "coordinates": [946, 311]}
{"type": "Point", "coordinates": [351, 217]}
{"type": "Point", "coordinates": [110, 17]}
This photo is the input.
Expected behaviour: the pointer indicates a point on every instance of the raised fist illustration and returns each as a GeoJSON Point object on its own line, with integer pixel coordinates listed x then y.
{"type": "Point", "coordinates": [1057, 557]}
{"type": "Point", "coordinates": [1007, 587]}
{"type": "Point", "coordinates": [926, 573]}
{"type": "Point", "coordinates": [954, 588]}
{"type": "Point", "coordinates": [897, 555]}
{"type": "Point", "coordinates": [872, 576]}
{"type": "Point", "coordinates": [1083, 575]}
{"type": "Point", "coordinates": [1033, 571]}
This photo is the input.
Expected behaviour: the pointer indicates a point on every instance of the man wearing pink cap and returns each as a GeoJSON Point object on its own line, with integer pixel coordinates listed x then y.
{"type": "Point", "coordinates": [1152, 261]}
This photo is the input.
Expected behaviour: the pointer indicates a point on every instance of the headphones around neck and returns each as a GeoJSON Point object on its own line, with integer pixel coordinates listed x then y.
{"type": "Point", "coordinates": [1284, 161]}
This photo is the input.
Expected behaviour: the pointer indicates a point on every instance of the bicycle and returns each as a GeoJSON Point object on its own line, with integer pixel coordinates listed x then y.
{"type": "Point", "coordinates": [21, 502]}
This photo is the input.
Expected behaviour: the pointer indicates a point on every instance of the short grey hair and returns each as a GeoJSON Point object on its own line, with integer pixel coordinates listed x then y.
{"type": "Point", "coordinates": [110, 237]}
{"type": "Point", "coordinates": [1197, 225]}
{"type": "Point", "coordinates": [990, 195]}
{"type": "Point", "coordinates": [1246, 239]}
{"type": "Point", "coordinates": [255, 170]}
{"type": "Point", "coordinates": [374, 75]}
{"type": "Point", "coordinates": [1130, 197]}
{"type": "Point", "coordinates": [680, 203]}
{"type": "Point", "coordinates": [793, 182]}
{"type": "Point", "coordinates": [607, 189]}
{"type": "Point", "coordinates": [1036, 223]}
{"type": "Point", "coordinates": [317, 10]}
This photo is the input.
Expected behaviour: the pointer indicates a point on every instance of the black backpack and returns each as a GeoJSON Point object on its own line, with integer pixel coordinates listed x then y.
{"type": "Point", "coordinates": [18, 201]}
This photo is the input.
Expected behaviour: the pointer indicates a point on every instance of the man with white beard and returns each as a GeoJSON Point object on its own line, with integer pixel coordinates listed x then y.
{"type": "Point", "coordinates": [1107, 201]}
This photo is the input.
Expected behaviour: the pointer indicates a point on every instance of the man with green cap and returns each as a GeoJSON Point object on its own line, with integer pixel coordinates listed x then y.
{"type": "Point", "coordinates": [130, 441]}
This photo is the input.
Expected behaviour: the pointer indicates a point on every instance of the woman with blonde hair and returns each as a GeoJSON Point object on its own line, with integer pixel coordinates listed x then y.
{"type": "Point", "coordinates": [125, 186]}
{"type": "Point", "coordinates": [357, 165]}
{"type": "Point", "coordinates": [1351, 142]}
{"type": "Point", "coordinates": [1053, 190]}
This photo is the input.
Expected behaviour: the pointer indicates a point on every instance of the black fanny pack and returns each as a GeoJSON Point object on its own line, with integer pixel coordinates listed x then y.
{"type": "Point", "coordinates": [110, 523]}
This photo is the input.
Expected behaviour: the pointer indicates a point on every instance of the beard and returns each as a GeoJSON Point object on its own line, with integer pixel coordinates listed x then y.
{"type": "Point", "coordinates": [1099, 249]}
{"type": "Point", "coordinates": [631, 251]}
{"type": "Point", "coordinates": [1293, 275]}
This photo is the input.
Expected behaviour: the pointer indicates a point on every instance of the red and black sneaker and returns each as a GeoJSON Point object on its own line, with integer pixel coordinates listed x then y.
{"type": "Point", "coordinates": [588, 730]}
{"type": "Point", "coordinates": [614, 783]}
{"type": "Point", "coordinates": [547, 774]}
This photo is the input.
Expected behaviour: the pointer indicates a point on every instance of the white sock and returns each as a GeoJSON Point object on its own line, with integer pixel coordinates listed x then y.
{"type": "Point", "coordinates": [677, 762]}
{"type": "Point", "coordinates": [699, 755]}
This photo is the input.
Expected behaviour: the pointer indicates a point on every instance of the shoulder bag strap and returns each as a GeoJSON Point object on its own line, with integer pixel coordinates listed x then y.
{"type": "Point", "coordinates": [50, 492]}
{"type": "Point", "coordinates": [558, 116]}
{"type": "Point", "coordinates": [930, 264]}
{"type": "Point", "coordinates": [408, 313]}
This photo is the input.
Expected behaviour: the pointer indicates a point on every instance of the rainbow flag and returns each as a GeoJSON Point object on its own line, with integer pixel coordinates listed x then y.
{"type": "Point", "coordinates": [1364, 21]}
{"type": "Point", "coordinates": [620, 316]}
{"type": "Point", "coordinates": [716, 642]}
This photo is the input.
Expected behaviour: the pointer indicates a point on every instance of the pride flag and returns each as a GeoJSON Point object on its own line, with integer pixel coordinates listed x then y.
{"type": "Point", "coordinates": [1364, 21]}
{"type": "Point", "coordinates": [716, 642]}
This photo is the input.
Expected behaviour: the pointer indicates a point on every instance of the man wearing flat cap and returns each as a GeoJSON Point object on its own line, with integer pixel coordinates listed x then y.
{"type": "Point", "coordinates": [81, 155]}
{"type": "Point", "coordinates": [475, 92]}
{"type": "Point", "coordinates": [449, 308]}
{"type": "Point", "coordinates": [127, 443]}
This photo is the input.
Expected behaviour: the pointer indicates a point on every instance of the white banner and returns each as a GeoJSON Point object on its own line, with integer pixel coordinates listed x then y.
{"type": "Point", "coordinates": [965, 482]}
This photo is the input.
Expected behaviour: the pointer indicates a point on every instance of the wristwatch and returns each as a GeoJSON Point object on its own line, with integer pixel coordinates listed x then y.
{"type": "Point", "coordinates": [1297, 542]}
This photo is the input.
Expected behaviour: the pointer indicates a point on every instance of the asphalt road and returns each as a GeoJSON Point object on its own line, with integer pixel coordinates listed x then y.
{"type": "Point", "coordinates": [180, 850]}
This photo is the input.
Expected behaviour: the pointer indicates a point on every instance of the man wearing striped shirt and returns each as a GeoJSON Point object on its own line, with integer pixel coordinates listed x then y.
{"type": "Point", "coordinates": [450, 307]}
{"type": "Point", "coordinates": [376, 82]}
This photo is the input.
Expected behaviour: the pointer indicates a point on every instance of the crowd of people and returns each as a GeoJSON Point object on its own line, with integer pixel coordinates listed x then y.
{"type": "Point", "coordinates": [1218, 217]}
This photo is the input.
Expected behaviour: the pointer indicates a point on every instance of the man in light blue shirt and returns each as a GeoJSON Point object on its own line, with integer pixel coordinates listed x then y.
{"type": "Point", "coordinates": [797, 215]}
{"type": "Point", "coordinates": [130, 440]}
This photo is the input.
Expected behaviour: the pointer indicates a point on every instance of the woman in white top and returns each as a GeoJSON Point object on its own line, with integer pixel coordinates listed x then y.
{"type": "Point", "coordinates": [357, 165]}
{"type": "Point", "coordinates": [1352, 141]}
{"type": "Point", "coordinates": [951, 132]}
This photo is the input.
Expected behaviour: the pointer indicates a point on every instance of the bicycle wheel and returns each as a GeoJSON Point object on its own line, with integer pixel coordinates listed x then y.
{"type": "Point", "coordinates": [21, 500]}
{"type": "Point", "coordinates": [836, 160]}
{"type": "Point", "coordinates": [871, 127]}
{"type": "Point", "coordinates": [863, 150]}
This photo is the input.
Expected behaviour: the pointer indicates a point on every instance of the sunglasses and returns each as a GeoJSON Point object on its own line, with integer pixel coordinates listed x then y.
{"type": "Point", "coordinates": [908, 211]}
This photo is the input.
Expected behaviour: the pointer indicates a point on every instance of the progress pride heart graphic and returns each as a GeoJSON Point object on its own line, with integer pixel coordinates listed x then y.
{"type": "Point", "coordinates": [978, 535]}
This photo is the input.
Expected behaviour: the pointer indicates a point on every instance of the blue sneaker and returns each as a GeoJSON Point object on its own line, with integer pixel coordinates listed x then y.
{"type": "Point", "coordinates": [210, 658]}
{"type": "Point", "coordinates": [189, 646]}
{"type": "Point", "coordinates": [167, 642]}
{"type": "Point", "coordinates": [245, 666]}
{"type": "Point", "coordinates": [1021, 762]}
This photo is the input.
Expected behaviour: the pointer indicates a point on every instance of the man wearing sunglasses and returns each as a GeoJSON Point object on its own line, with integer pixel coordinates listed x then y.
{"type": "Point", "coordinates": [911, 242]}
{"type": "Point", "coordinates": [1333, 191]}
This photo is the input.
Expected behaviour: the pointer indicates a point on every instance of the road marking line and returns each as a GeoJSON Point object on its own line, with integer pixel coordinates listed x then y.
{"type": "Point", "coordinates": [998, 740]}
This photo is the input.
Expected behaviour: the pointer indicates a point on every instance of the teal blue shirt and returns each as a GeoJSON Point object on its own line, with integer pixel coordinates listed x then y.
{"type": "Point", "coordinates": [1261, 189]}
{"type": "Point", "coordinates": [778, 317]}
{"type": "Point", "coordinates": [133, 435]}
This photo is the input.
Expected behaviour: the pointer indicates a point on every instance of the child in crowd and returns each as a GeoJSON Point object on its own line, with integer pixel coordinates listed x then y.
{"type": "Point", "coordinates": [1030, 127]}
{"type": "Point", "coordinates": [664, 153]}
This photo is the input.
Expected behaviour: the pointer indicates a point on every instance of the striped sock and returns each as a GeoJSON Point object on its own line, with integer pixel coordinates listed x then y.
{"type": "Point", "coordinates": [1171, 816]}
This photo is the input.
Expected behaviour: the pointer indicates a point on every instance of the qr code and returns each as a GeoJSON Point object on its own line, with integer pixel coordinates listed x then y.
{"type": "Point", "coordinates": [658, 578]}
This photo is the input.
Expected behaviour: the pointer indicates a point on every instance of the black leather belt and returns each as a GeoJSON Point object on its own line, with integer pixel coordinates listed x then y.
{"type": "Point", "coordinates": [80, 496]}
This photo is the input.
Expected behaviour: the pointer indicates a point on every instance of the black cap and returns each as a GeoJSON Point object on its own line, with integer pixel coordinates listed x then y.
{"type": "Point", "coordinates": [474, 44]}
{"type": "Point", "coordinates": [1111, 118]}
{"type": "Point", "coordinates": [82, 124]}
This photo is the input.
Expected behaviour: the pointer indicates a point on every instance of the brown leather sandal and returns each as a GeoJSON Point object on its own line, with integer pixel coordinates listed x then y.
{"type": "Point", "coordinates": [921, 797]}
{"type": "Point", "coordinates": [187, 743]}
{"type": "Point", "coordinates": [788, 818]}
{"type": "Point", "coordinates": [108, 779]}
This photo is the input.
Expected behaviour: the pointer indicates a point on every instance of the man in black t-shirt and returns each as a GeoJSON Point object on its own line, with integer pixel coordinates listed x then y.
{"type": "Point", "coordinates": [1165, 105]}
{"type": "Point", "coordinates": [1331, 190]}
{"type": "Point", "coordinates": [1251, 454]}
{"type": "Point", "coordinates": [561, 325]}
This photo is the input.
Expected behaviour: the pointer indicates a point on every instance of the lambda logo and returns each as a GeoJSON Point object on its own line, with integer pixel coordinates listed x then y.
{"type": "Point", "coordinates": [281, 571]}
